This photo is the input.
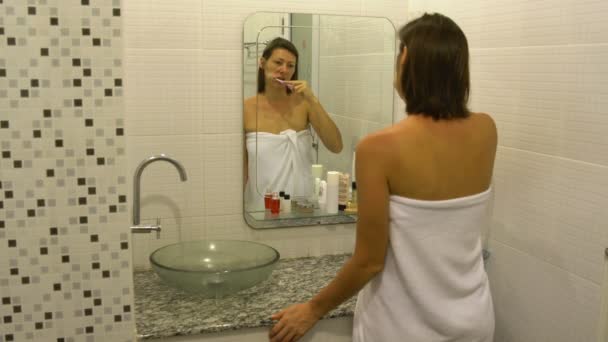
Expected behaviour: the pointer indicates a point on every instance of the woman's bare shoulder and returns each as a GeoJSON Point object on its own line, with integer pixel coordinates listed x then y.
{"type": "Point", "coordinates": [486, 123]}
{"type": "Point", "coordinates": [484, 118]}
{"type": "Point", "coordinates": [379, 144]}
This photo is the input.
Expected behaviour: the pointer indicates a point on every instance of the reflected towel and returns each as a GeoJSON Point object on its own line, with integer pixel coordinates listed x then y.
{"type": "Point", "coordinates": [282, 163]}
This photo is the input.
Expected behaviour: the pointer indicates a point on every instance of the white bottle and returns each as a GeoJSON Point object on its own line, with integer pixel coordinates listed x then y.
{"type": "Point", "coordinates": [315, 192]}
{"type": "Point", "coordinates": [286, 203]}
{"type": "Point", "coordinates": [323, 195]}
{"type": "Point", "coordinates": [333, 179]}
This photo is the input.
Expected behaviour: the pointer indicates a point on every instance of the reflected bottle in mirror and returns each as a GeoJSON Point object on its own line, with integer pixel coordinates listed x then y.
{"type": "Point", "coordinates": [267, 199]}
{"type": "Point", "coordinates": [275, 204]}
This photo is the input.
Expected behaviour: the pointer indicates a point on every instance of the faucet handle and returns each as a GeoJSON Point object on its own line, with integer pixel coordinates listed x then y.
{"type": "Point", "coordinates": [158, 226]}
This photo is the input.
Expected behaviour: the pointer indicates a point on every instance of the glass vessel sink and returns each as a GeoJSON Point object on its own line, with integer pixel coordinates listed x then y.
{"type": "Point", "coordinates": [215, 268]}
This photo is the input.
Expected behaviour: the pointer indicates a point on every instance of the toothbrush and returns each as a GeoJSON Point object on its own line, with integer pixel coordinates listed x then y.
{"type": "Point", "coordinates": [288, 85]}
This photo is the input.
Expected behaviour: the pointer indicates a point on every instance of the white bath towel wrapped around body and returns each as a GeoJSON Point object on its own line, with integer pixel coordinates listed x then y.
{"type": "Point", "coordinates": [433, 286]}
{"type": "Point", "coordinates": [282, 163]}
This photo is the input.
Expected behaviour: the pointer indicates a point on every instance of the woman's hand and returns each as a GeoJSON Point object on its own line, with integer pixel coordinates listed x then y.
{"type": "Point", "coordinates": [293, 323]}
{"type": "Point", "coordinates": [302, 88]}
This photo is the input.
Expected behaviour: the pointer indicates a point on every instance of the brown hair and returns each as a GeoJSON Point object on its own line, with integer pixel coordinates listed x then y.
{"type": "Point", "coordinates": [277, 43]}
{"type": "Point", "coordinates": [435, 77]}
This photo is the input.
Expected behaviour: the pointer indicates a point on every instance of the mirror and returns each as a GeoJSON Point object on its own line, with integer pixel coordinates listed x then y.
{"type": "Point", "coordinates": [313, 86]}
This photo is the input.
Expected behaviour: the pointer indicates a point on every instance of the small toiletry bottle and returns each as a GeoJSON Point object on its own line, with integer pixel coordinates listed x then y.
{"type": "Point", "coordinates": [323, 195]}
{"type": "Point", "coordinates": [281, 198]}
{"type": "Point", "coordinates": [294, 203]}
{"type": "Point", "coordinates": [286, 205]}
{"type": "Point", "coordinates": [351, 208]}
{"type": "Point", "coordinates": [267, 199]}
{"type": "Point", "coordinates": [343, 186]}
{"type": "Point", "coordinates": [275, 203]}
{"type": "Point", "coordinates": [315, 192]}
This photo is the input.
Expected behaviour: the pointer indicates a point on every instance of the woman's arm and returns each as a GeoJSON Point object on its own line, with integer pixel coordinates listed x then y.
{"type": "Point", "coordinates": [319, 118]}
{"type": "Point", "coordinates": [370, 247]}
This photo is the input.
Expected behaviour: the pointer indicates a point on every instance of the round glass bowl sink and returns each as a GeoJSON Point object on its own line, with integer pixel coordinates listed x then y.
{"type": "Point", "coordinates": [215, 268]}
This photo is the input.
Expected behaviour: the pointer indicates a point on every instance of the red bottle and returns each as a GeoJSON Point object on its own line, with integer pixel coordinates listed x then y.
{"type": "Point", "coordinates": [267, 199]}
{"type": "Point", "coordinates": [275, 204]}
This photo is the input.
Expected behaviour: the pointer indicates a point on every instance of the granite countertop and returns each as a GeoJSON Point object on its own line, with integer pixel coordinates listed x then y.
{"type": "Point", "coordinates": [163, 312]}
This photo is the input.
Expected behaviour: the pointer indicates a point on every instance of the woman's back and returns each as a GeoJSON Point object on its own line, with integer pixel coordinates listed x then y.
{"type": "Point", "coordinates": [440, 159]}
{"type": "Point", "coordinates": [433, 286]}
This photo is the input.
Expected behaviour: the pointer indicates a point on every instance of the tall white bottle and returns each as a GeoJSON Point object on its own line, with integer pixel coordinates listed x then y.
{"type": "Point", "coordinates": [333, 179]}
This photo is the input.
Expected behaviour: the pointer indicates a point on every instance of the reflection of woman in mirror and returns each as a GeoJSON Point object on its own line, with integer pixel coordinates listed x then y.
{"type": "Point", "coordinates": [424, 191]}
{"type": "Point", "coordinates": [277, 123]}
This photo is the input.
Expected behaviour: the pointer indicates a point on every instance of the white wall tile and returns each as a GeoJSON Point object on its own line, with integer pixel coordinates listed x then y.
{"type": "Point", "coordinates": [546, 99]}
{"type": "Point", "coordinates": [496, 23]}
{"type": "Point", "coordinates": [163, 91]}
{"type": "Point", "coordinates": [537, 301]}
{"type": "Point", "coordinates": [223, 168]}
{"type": "Point", "coordinates": [553, 209]}
{"type": "Point", "coordinates": [154, 24]}
{"type": "Point", "coordinates": [222, 91]}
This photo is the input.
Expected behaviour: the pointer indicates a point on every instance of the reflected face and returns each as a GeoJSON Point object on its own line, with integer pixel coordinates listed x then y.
{"type": "Point", "coordinates": [281, 65]}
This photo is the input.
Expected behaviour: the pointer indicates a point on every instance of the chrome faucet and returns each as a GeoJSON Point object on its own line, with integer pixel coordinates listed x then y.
{"type": "Point", "coordinates": [137, 228]}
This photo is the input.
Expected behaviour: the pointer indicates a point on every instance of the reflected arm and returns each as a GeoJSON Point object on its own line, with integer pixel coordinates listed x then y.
{"type": "Point", "coordinates": [324, 126]}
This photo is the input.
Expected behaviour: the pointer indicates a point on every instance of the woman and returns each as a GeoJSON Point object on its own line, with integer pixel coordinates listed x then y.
{"type": "Point", "coordinates": [277, 139]}
{"type": "Point", "coordinates": [424, 185]}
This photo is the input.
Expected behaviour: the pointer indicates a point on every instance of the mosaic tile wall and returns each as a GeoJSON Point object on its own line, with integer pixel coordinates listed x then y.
{"type": "Point", "coordinates": [64, 248]}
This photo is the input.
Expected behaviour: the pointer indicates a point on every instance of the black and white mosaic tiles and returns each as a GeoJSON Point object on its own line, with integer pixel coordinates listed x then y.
{"type": "Point", "coordinates": [65, 272]}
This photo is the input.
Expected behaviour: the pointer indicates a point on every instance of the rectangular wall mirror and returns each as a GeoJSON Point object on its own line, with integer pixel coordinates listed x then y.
{"type": "Point", "coordinates": [313, 86]}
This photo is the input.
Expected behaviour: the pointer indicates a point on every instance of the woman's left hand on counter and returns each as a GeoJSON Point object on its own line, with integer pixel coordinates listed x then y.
{"type": "Point", "coordinates": [292, 323]}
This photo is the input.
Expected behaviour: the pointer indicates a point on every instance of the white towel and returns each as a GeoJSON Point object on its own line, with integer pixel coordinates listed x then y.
{"type": "Point", "coordinates": [433, 286]}
{"type": "Point", "coordinates": [283, 162]}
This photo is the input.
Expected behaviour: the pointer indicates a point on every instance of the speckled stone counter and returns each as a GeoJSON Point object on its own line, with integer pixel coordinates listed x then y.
{"type": "Point", "coordinates": [163, 312]}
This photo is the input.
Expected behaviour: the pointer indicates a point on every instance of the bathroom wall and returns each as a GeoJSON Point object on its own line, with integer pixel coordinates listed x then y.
{"type": "Point", "coordinates": [538, 67]}
{"type": "Point", "coordinates": [183, 70]}
{"type": "Point", "coordinates": [65, 258]}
